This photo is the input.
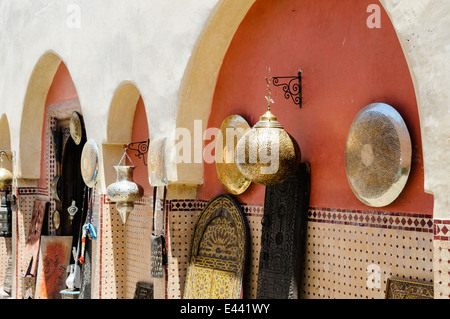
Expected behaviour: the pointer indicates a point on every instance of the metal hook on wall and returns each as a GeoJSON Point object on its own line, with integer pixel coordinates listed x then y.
{"type": "Point", "coordinates": [292, 87]}
{"type": "Point", "coordinates": [141, 148]}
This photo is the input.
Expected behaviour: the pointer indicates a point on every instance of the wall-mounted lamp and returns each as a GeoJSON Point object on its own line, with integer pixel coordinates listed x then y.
{"type": "Point", "coordinates": [267, 154]}
{"type": "Point", "coordinates": [124, 191]}
{"type": "Point", "coordinates": [141, 148]}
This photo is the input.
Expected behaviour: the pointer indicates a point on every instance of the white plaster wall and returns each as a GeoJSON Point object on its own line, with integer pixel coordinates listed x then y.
{"type": "Point", "coordinates": [423, 29]}
{"type": "Point", "coordinates": [146, 42]}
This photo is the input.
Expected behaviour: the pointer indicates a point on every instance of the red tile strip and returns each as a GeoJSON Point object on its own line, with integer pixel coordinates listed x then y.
{"type": "Point", "coordinates": [374, 219]}
{"type": "Point", "coordinates": [441, 229]}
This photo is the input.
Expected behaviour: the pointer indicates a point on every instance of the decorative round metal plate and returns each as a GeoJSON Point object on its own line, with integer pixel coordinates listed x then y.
{"type": "Point", "coordinates": [378, 155]}
{"type": "Point", "coordinates": [89, 163]}
{"type": "Point", "coordinates": [76, 129]}
{"type": "Point", "coordinates": [56, 219]}
{"type": "Point", "coordinates": [231, 178]}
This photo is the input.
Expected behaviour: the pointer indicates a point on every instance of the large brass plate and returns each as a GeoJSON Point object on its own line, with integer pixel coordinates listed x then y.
{"type": "Point", "coordinates": [89, 163]}
{"type": "Point", "coordinates": [229, 175]}
{"type": "Point", "coordinates": [76, 128]}
{"type": "Point", "coordinates": [378, 155]}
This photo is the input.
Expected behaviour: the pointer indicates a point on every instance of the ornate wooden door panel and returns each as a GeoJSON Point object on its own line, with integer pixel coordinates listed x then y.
{"type": "Point", "coordinates": [218, 252]}
{"type": "Point", "coordinates": [285, 213]}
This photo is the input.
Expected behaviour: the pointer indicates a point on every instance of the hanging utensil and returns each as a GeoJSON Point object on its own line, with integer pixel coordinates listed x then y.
{"type": "Point", "coordinates": [158, 242]}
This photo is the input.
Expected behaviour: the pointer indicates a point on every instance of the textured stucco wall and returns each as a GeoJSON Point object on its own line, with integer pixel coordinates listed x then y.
{"type": "Point", "coordinates": [422, 27]}
{"type": "Point", "coordinates": [103, 43]}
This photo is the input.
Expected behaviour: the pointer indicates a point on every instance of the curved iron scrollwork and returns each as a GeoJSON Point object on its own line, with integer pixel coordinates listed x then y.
{"type": "Point", "coordinates": [141, 148]}
{"type": "Point", "coordinates": [4, 153]}
{"type": "Point", "coordinates": [292, 87]}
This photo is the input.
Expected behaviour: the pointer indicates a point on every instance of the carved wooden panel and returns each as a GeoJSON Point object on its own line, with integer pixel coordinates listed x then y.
{"type": "Point", "coordinates": [33, 239]}
{"type": "Point", "coordinates": [218, 252]}
{"type": "Point", "coordinates": [285, 215]}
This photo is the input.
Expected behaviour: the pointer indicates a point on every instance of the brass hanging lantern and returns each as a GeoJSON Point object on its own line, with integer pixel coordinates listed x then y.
{"type": "Point", "coordinates": [6, 177]}
{"type": "Point", "coordinates": [267, 154]}
{"type": "Point", "coordinates": [124, 191]}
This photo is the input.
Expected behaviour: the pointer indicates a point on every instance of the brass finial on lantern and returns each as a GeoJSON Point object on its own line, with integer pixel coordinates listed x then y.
{"type": "Point", "coordinates": [267, 154]}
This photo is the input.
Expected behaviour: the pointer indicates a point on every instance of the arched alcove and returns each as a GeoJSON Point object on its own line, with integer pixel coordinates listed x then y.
{"type": "Point", "coordinates": [127, 123]}
{"type": "Point", "coordinates": [33, 116]}
{"type": "Point", "coordinates": [119, 127]}
{"type": "Point", "coordinates": [367, 66]}
{"type": "Point", "coordinates": [5, 137]}
{"type": "Point", "coordinates": [47, 151]}
{"type": "Point", "coordinates": [6, 249]}
{"type": "Point", "coordinates": [199, 81]}
{"type": "Point", "coordinates": [331, 44]}
{"type": "Point", "coordinates": [200, 78]}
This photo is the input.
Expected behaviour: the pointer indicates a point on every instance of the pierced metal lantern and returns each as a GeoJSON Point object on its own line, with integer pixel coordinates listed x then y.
{"type": "Point", "coordinates": [267, 154]}
{"type": "Point", "coordinates": [6, 178]}
{"type": "Point", "coordinates": [124, 191]}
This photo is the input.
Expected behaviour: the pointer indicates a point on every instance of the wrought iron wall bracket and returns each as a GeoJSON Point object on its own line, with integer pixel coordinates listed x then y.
{"type": "Point", "coordinates": [4, 153]}
{"type": "Point", "coordinates": [141, 148]}
{"type": "Point", "coordinates": [292, 87]}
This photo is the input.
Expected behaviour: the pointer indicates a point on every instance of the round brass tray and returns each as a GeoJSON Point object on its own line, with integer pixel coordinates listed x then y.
{"type": "Point", "coordinates": [75, 127]}
{"type": "Point", "coordinates": [89, 163]}
{"type": "Point", "coordinates": [56, 219]}
{"type": "Point", "coordinates": [229, 175]}
{"type": "Point", "coordinates": [378, 155]}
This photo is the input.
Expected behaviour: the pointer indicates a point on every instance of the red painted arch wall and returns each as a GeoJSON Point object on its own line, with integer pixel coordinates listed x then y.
{"type": "Point", "coordinates": [62, 89]}
{"type": "Point", "coordinates": [346, 65]}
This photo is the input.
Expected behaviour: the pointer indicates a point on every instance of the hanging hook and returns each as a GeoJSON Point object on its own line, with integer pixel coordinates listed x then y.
{"type": "Point", "coordinates": [268, 93]}
{"type": "Point", "coordinates": [125, 147]}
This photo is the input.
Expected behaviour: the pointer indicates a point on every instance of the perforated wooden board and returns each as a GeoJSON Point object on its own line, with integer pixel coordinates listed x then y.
{"type": "Point", "coordinates": [182, 218]}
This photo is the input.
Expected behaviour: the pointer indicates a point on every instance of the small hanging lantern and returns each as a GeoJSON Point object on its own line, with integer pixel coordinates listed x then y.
{"type": "Point", "coordinates": [267, 154]}
{"type": "Point", "coordinates": [124, 191]}
{"type": "Point", "coordinates": [6, 177]}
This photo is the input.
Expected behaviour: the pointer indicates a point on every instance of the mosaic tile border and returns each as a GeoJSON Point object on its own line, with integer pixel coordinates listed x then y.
{"type": "Point", "coordinates": [442, 229]}
{"type": "Point", "coordinates": [375, 219]}
{"type": "Point", "coordinates": [27, 191]}
{"type": "Point", "coordinates": [364, 218]}
{"type": "Point", "coordinates": [178, 205]}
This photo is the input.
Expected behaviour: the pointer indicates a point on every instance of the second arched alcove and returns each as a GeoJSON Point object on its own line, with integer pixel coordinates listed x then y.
{"type": "Point", "coordinates": [128, 247]}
